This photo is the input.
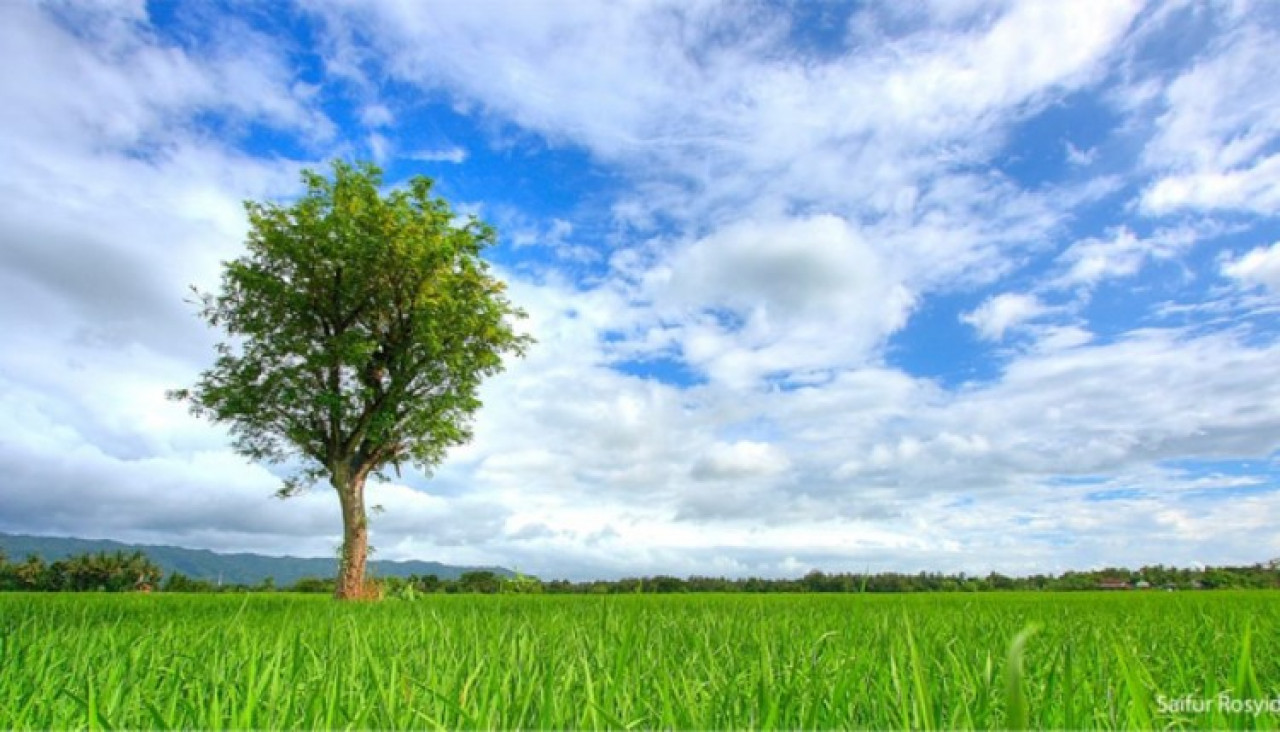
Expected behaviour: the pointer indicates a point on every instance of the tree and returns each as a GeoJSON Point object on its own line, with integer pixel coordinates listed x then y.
{"type": "Point", "coordinates": [482, 581]}
{"type": "Point", "coordinates": [425, 583]}
{"type": "Point", "coordinates": [33, 573]}
{"type": "Point", "coordinates": [360, 327]}
{"type": "Point", "coordinates": [179, 582]}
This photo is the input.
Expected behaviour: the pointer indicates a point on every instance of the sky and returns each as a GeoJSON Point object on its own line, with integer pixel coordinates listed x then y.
{"type": "Point", "coordinates": [934, 286]}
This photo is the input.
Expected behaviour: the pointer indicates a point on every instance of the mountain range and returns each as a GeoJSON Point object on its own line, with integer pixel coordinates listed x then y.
{"type": "Point", "coordinates": [247, 569]}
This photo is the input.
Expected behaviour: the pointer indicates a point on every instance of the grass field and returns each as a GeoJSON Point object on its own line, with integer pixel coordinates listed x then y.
{"type": "Point", "coordinates": [1124, 660]}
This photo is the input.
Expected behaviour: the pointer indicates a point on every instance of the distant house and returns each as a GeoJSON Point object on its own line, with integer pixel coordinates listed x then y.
{"type": "Point", "coordinates": [1142, 585]}
{"type": "Point", "coordinates": [1114, 584]}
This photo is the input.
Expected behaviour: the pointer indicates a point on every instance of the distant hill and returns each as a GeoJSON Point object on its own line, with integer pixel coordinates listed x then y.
{"type": "Point", "coordinates": [248, 569]}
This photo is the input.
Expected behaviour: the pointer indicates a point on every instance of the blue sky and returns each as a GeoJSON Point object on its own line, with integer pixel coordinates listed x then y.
{"type": "Point", "coordinates": [936, 286]}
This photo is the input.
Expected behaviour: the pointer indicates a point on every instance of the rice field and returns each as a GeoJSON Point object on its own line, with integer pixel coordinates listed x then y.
{"type": "Point", "coordinates": [277, 661]}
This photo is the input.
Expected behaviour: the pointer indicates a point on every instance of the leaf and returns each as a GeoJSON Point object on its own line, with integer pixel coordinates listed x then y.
{"type": "Point", "coordinates": [1016, 711]}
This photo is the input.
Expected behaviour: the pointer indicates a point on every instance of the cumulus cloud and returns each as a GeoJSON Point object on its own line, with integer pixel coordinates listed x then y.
{"type": "Point", "coordinates": [723, 391]}
{"type": "Point", "coordinates": [742, 459]}
{"type": "Point", "coordinates": [1257, 267]}
{"type": "Point", "coordinates": [115, 202]}
{"type": "Point", "coordinates": [1214, 148]}
{"type": "Point", "coordinates": [722, 105]}
{"type": "Point", "coordinates": [113, 195]}
{"type": "Point", "coordinates": [998, 314]}
{"type": "Point", "coordinates": [1119, 254]}
{"type": "Point", "coordinates": [764, 297]}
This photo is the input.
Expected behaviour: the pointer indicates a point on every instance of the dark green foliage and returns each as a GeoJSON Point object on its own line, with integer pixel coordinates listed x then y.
{"type": "Point", "coordinates": [425, 583]}
{"type": "Point", "coordinates": [1258, 576]}
{"type": "Point", "coordinates": [361, 326]}
{"type": "Point", "coordinates": [314, 585]}
{"type": "Point", "coordinates": [179, 582]}
{"type": "Point", "coordinates": [486, 583]}
{"type": "Point", "coordinates": [101, 572]}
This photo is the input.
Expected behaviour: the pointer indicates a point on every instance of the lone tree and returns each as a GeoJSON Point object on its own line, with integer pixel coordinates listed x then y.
{"type": "Point", "coordinates": [360, 327]}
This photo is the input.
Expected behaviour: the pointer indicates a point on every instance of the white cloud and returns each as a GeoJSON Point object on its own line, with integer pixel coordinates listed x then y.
{"type": "Point", "coordinates": [1093, 260]}
{"type": "Point", "coordinates": [453, 154]}
{"type": "Point", "coordinates": [763, 297]}
{"type": "Point", "coordinates": [1256, 188]}
{"type": "Point", "coordinates": [1000, 313]}
{"type": "Point", "coordinates": [742, 459]}
{"type": "Point", "coordinates": [783, 216]}
{"type": "Point", "coordinates": [1079, 157]}
{"type": "Point", "coordinates": [1214, 143]}
{"type": "Point", "coordinates": [719, 126]}
{"type": "Point", "coordinates": [133, 94]}
{"type": "Point", "coordinates": [722, 107]}
{"type": "Point", "coordinates": [380, 148]}
{"type": "Point", "coordinates": [116, 201]}
{"type": "Point", "coordinates": [554, 235]}
{"type": "Point", "coordinates": [1119, 254]}
{"type": "Point", "coordinates": [1258, 266]}
{"type": "Point", "coordinates": [377, 115]}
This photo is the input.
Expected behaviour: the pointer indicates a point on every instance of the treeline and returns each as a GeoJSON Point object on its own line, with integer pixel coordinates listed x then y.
{"type": "Point", "coordinates": [118, 571]}
{"type": "Point", "coordinates": [1259, 576]}
{"type": "Point", "coordinates": [100, 572]}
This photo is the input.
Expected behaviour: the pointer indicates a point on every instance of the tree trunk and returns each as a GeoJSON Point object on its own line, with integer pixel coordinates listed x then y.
{"type": "Point", "coordinates": [355, 535]}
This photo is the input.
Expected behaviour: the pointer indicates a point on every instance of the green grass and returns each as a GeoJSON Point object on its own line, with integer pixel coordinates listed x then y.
{"type": "Point", "coordinates": [1086, 661]}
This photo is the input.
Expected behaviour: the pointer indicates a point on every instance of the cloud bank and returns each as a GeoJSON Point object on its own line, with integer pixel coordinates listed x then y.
{"type": "Point", "coordinates": [955, 287]}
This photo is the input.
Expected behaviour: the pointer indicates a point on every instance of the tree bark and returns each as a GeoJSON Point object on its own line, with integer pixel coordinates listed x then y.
{"type": "Point", "coordinates": [355, 535]}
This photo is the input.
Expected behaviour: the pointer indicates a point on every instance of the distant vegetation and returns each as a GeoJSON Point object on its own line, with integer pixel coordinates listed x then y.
{"type": "Point", "coordinates": [101, 572]}
{"type": "Point", "coordinates": [225, 570]}
{"type": "Point", "coordinates": [1258, 576]}
{"type": "Point", "coordinates": [121, 571]}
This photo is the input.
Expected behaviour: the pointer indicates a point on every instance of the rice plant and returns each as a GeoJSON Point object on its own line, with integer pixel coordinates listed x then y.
{"type": "Point", "coordinates": [278, 661]}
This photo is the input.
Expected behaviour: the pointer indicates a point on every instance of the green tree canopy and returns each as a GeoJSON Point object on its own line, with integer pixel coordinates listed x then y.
{"type": "Point", "coordinates": [360, 327]}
